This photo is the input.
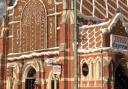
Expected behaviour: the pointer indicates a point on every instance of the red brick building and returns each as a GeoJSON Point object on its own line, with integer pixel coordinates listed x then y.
{"type": "Point", "coordinates": [36, 44]}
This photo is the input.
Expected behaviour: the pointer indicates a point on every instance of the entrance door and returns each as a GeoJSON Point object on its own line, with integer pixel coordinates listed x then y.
{"type": "Point", "coordinates": [30, 80]}
{"type": "Point", "coordinates": [121, 79]}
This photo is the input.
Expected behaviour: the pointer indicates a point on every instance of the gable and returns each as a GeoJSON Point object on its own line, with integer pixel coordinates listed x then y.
{"type": "Point", "coordinates": [118, 26]}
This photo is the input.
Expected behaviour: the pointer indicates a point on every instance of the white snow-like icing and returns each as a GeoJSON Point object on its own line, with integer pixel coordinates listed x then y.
{"type": "Point", "coordinates": [56, 13]}
{"type": "Point", "coordinates": [34, 54]}
{"type": "Point", "coordinates": [81, 4]}
{"type": "Point", "coordinates": [106, 4]}
{"type": "Point", "coordinates": [104, 30]}
{"type": "Point", "coordinates": [115, 20]}
{"type": "Point", "coordinates": [117, 3]}
{"type": "Point", "coordinates": [93, 8]}
{"type": "Point", "coordinates": [58, 3]}
{"type": "Point", "coordinates": [95, 25]}
{"type": "Point", "coordinates": [84, 51]}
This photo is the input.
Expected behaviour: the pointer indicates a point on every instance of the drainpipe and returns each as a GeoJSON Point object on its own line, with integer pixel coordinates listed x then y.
{"type": "Point", "coordinates": [5, 39]}
{"type": "Point", "coordinates": [75, 47]}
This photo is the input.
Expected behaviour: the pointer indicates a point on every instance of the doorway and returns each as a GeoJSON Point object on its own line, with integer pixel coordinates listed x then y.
{"type": "Point", "coordinates": [30, 80]}
{"type": "Point", "coordinates": [121, 79]}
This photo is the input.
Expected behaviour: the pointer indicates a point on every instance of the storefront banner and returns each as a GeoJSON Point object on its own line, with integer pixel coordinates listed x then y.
{"type": "Point", "coordinates": [119, 42]}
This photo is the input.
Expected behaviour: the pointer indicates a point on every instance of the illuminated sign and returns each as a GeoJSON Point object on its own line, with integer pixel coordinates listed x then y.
{"type": "Point", "coordinates": [119, 42]}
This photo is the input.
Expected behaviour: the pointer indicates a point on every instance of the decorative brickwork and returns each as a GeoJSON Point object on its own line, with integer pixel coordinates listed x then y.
{"type": "Point", "coordinates": [37, 45]}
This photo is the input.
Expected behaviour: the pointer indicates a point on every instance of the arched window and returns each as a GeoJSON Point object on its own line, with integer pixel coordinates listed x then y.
{"type": "Point", "coordinates": [33, 26]}
{"type": "Point", "coordinates": [30, 80]}
{"type": "Point", "coordinates": [91, 70]}
{"type": "Point", "coordinates": [99, 70]}
{"type": "Point", "coordinates": [85, 69]}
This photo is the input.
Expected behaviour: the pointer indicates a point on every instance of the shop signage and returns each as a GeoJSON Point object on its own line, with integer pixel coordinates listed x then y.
{"type": "Point", "coordinates": [51, 61]}
{"type": "Point", "coordinates": [56, 69]}
{"type": "Point", "coordinates": [119, 42]}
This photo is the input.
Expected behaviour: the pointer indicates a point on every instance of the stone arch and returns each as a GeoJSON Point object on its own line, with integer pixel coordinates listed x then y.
{"type": "Point", "coordinates": [50, 78]}
{"type": "Point", "coordinates": [30, 79]}
{"type": "Point", "coordinates": [33, 26]}
{"type": "Point", "coordinates": [91, 68]}
{"type": "Point", "coordinates": [84, 60]}
{"type": "Point", "coordinates": [83, 78]}
{"type": "Point", "coordinates": [81, 64]}
{"type": "Point", "coordinates": [37, 65]}
{"type": "Point", "coordinates": [26, 70]}
{"type": "Point", "coordinates": [98, 68]}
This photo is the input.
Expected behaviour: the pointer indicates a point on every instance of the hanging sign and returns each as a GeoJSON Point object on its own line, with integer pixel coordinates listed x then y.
{"type": "Point", "coordinates": [119, 42]}
{"type": "Point", "coordinates": [57, 69]}
{"type": "Point", "coordinates": [51, 61]}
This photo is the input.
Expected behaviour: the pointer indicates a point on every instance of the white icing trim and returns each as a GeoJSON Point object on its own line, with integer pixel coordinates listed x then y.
{"type": "Point", "coordinates": [58, 3]}
{"type": "Point", "coordinates": [93, 8]}
{"type": "Point", "coordinates": [64, 5]}
{"type": "Point", "coordinates": [57, 13]}
{"type": "Point", "coordinates": [13, 22]}
{"type": "Point", "coordinates": [106, 4]}
{"type": "Point", "coordinates": [34, 54]}
{"type": "Point", "coordinates": [81, 4]}
{"type": "Point", "coordinates": [85, 51]}
{"type": "Point", "coordinates": [115, 20]}
{"type": "Point", "coordinates": [117, 3]}
{"type": "Point", "coordinates": [87, 8]}
{"type": "Point", "coordinates": [96, 25]}
{"type": "Point", "coordinates": [123, 9]}
{"type": "Point", "coordinates": [111, 14]}
{"type": "Point", "coordinates": [11, 36]}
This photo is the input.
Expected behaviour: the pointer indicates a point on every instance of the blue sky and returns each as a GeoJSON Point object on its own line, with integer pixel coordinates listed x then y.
{"type": "Point", "coordinates": [1, 6]}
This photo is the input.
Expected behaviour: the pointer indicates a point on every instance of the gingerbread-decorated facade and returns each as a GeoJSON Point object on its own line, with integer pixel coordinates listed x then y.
{"type": "Point", "coordinates": [37, 44]}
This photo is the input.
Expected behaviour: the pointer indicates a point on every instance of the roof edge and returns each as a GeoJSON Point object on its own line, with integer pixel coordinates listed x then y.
{"type": "Point", "coordinates": [115, 20]}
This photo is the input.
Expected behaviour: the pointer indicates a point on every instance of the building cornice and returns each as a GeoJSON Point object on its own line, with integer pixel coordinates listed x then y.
{"type": "Point", "coordinates": [37, 53]}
